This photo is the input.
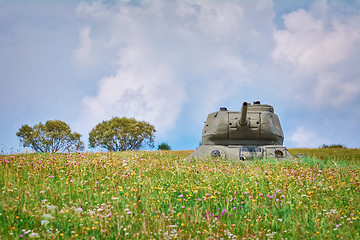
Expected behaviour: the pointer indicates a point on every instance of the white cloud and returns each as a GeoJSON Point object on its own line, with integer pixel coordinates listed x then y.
{"type": "Point", "coordinates": [308, 45]}
{"type": "Point", "coordinates": [148, 93]}
{"type": "Point", "coordinates": [168, 53]}
{"type": "Point", "coordinates": [332, 88]}
{"type": "Point", "coordinates": [83, 56]}
{"type": "Point", "coordinates": [305, 138]}
{"type": "Point", "coordinates": [173, 62]}
{"type": "Point", "coordinates": [160, 57]}
{"type": "Point", "coordinates": [318, 46]}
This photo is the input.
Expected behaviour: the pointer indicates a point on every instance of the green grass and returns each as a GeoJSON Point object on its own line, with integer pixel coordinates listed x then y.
{"type": "Point", "coordinates": [161, 195]}
{"type": "Point", "coordinates": [331, 154]}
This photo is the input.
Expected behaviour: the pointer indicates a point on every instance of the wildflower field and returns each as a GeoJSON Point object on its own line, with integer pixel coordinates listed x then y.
{"type": "Point", "coordinates": [163, 195]}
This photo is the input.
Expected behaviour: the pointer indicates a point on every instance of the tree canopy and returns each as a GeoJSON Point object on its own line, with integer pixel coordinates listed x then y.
{"type": "Point", "coordinates": [164, 146]}
{"type": "Point", "coordinates": [53, 136]}
{"type": "Point", "coordinates": [122, 134]}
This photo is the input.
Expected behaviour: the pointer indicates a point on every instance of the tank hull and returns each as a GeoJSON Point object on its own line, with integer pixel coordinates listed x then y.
{"type": "Point", "coordinates": [241, 152]}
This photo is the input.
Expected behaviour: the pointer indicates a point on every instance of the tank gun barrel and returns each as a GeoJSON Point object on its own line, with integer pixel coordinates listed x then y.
{"type": "Point", "coordinates": [243, 117]}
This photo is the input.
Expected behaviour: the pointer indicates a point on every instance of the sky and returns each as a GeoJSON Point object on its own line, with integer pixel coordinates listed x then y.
{"type": "Point", "coordinates": [171, 63]}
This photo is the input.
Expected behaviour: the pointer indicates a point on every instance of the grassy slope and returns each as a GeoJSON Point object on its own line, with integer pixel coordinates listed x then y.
{"type": "Point", "coordinates": [347, 154]}
{"type": "Point", "coordinates": [163, 196]}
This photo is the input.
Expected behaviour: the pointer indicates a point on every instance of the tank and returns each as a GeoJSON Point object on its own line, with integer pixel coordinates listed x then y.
{"type": "Point", "coordinates": [253, 132]}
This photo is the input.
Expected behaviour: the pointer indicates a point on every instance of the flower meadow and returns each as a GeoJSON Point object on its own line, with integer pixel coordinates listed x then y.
{"type": "Point", "coordinates": [164, 195]}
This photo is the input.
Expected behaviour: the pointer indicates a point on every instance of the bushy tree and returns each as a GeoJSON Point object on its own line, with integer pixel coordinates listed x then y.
{"type": "Point", "coordinates": [164, 146]}
{"type": "Point", "coordinates": [122, 134]}
{"type": "Point", "coordinates": [53, 136]}
{"type": "Point", "coordinates": [333, 146]}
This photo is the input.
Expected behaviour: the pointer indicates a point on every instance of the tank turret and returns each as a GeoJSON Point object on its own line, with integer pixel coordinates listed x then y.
{"type": "Point", "coordinates": [255, 131]}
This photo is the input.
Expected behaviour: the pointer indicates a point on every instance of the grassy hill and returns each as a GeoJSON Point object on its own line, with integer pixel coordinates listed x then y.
{"type": "Point", "coordinates": [162, 195]}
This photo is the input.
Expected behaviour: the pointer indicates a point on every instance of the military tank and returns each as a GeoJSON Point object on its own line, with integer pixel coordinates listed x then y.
{"type": "Point", "coordinates": [253, 132]}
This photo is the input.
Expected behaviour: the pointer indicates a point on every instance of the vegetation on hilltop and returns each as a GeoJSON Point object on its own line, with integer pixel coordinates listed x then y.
{"type": "Point", "coordinates": [329, 154]}
{"type": "Point", "coordinates": [53, 136]}
{"type": "Point", "coordinates": [122, 134]}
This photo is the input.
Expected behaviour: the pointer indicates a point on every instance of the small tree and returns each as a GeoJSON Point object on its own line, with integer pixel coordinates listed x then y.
{"type": "Point", "coordinates": [54, 136]}
{"type": "Point", "coordinates": [164, 146]}
{"type": "Point", "coordinates": [122, 134]}
{"type": "Point", "coordinates": [333, 146]}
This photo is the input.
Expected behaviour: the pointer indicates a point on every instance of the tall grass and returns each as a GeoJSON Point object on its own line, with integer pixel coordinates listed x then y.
{"type": "Point", "coordinates": [162, 195]}
{"type": "Point", "coordinates": [332, 154]}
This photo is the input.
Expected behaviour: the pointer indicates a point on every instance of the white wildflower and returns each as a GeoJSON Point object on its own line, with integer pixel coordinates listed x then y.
{"type": "Point", "coordinates": [45, 222]}
{"type": "Point", "coordinates": [34, 235]}
{"type": "Point", "coordinates": [51, 208]}
{"type": "Point", "coordinates": [79, 210]}
{"type": "Point", "coordinates": [47, 216]}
